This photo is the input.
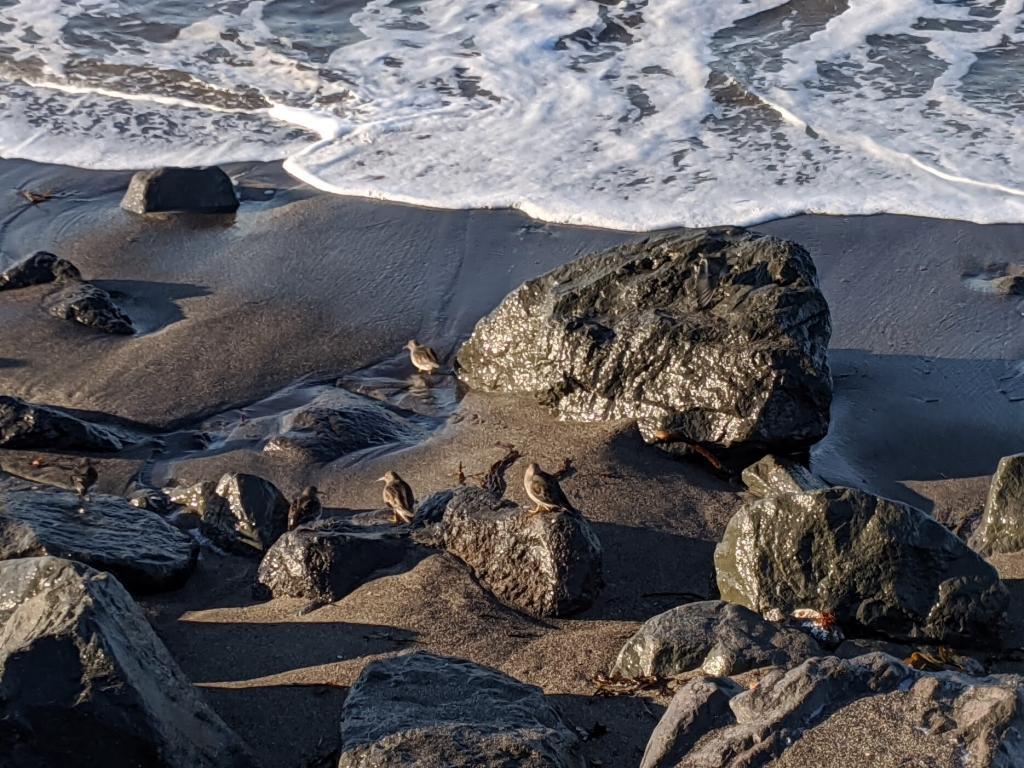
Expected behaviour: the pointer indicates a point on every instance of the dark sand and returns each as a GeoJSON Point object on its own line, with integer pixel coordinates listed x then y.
{"type": "Point", "coordinates": [301, 285]}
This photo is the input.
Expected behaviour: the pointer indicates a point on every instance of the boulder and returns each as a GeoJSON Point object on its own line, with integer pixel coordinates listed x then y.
{"type": "Point", "coordinates": [242, 513]}
{"type": "Point", "coordinates": [87, 305]}
{"type": "Point", "coordinates": [84, 680]}
{"type": "Point", "coordinates": [715, 337]}
{"type": "Point", "coordinates": [43, 427]}
{"type": "Point", "coordinates": [337, 423]}
{"type": "Point", "coordinates": [41, 267]}
{"type": "Point", "coordinates": [139, 547]}
{"type": "Point", "coordinates": [715, 637]}
{"type": "Point", "coordinates": [544, 565]}
{"type": "Point", "coordinates": [433, 711]}
{"type": "Point", "coordinates": [879, 566]}
{"type": "Point", "coordinates": [964, 720]}
{"type": "Point", "coordinates": [325, 560]}
{"type": "Point", "coordinates": [1001, 528]}
{"type": "Point", "coordinates": [189, 190]}
{"type": "Point", "coordinates": [773, 475]}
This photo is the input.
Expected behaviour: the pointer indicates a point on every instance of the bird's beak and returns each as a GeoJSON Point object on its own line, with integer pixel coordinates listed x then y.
{"type": "Point", "coordinates": [382, 479]}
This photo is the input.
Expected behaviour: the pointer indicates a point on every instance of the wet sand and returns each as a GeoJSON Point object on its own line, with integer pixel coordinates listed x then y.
{"type": "Point", "coordinates": [300, 286]}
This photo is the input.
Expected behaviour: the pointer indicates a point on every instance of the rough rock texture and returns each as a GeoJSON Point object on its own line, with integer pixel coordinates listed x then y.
{"type": "Point", "coordinates": [325, 560]}
{"type": "Point", "coordinates": [337, 423]}
{"type": "Point", "coordinates": [192, 190]}
{"type": "Point", "coordinates": [716, 637]}
{"type": "Point", "coordinates": [879, 566]}
{"type": "Point", "coordinates": [1001, 528]}
{"type": "Point", "coordinates": [711, 722]}
{"type": "Point", "coordinates": [544, 565]}
{"type": "Point", "coordinates": [433, 711]}
{"type": "Point", "coordinates": [41, 267]}
{"type": "Point", "coordinates": [139, 547]}
{"type": "Point", "coordinates": [43, 427]}
{"type": "Point", "coordinates": [243, 513]}
{"type": "Point", "coordinates": [87, 305]}
{"type": "Point", "coordinates": [84, 680]}
{"type": "Point", "coordinates": [718, 337]}
{"type": "Point", "coordinates": [773, 475]}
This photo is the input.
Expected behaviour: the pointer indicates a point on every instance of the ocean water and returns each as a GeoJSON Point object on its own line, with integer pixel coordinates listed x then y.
{"type": "Point", "coordinates": [633, 114]}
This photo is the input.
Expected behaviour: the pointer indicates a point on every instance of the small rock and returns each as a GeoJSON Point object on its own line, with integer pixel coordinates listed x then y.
{"type": "Point", "coordinates": [153, 499]}
{"type": "Point", "coordinates": [719, 638]}
{"type": "Point", "coordinates": [772, 476]}
{"type": "Point", "coordinates": [43, 427]}
{"type": "Point", "coordinates": [1001, 528]}
{"type": "Point", "coordinates": [84, 680]}
{"type": "Point", "coordinates": [139, 547]}
{"type": "Point", "coordinates": [90, 306]}
{"type": "Point", "coordinates": [425, 711]}
{"type": "Point", "coordinates": [41, 267]}
{"type": "Point", "coordinates": [189, 190]}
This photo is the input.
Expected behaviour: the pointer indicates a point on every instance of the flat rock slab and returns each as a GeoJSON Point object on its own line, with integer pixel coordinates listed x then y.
{"type": "Point", "coordinates": [775, 475]}
{"type": "Point", "coordinates": [544, 565]}
{"type": "Point", "coordinates": [187, 190]}
{"type": "Point", "coordinates": [43, 427]}
{"type": "Point", "coordinates": [433, 711]}
{"type": "Point", "coordinates": [88, 305]}
{"type": "Point", "coordinates": [716, 637]}
{"type": "Point", "coordinates": [1001, 528]}
{"type": "Point", "coordinates": [84, 680]}
{"type": "Point", "coordinates": [39, 268]}
{"type": "Point", "coordinates": [139, 547]}
{"type": "Point", "coordinates": [879, 566]}
{"type": "Point", "coordinates": [714, 722]}
{"type": "Point", "coordinates": [718, 337]}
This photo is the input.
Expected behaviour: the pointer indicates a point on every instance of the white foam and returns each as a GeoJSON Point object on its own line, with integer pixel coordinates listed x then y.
{"type": "Point", "coordinates": [707, 116]}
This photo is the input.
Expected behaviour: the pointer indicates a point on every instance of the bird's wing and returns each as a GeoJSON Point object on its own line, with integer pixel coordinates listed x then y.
{"type": "Point", "coordinates": [430, 355]}
{"type": "Point", "coordinates": [399, 496]}
{"type": "Point", "coordinates": [549, 491]}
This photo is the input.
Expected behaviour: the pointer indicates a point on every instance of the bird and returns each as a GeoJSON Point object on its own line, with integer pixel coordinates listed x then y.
{"type": "Point", "coordinates": [83, 478]}
{"type": "Point", "coordinates": [544, 491]}
{"type": "Point", "coordinates": [305, 508]}
{"type": "Point", "coordinates": [398, 496]}
{"type": "Point", "coordinates": [423, 357]}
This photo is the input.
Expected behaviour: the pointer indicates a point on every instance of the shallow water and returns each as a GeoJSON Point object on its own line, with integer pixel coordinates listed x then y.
{"type": "Point", "coordinates": [632, 114]}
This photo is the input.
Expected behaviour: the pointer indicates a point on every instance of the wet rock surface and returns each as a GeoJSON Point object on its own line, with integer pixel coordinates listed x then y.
{"type": "Point", "coordinates": [1001, 528]}
{"type": "Point", "coordinates": [84, 680]}
{"type": "Point", "coordinates": [191, 190]}
{"type": "Point", "coordinates": [439, 712]}
{"type": "Point", "coordinates": [775, 475]}
{"type": "Point", "coordinates": [544, 565]}
{"type": "Point", "coordinates": [716, 637]}
{"type": "Point", "coordinates": [139, 547]}
{"type": "Point", "coordinates": [877, 565]}
{"type": "Point", "coordinates": [337, 423]}
{"type": "Point", "coordinates": [88, 305]}
{"type": "Point", "coordinates": [714, 722]}
{"type": "Point", "coordinates": [718, 337]}
{"type": "Point", "coordinates": [32, 426]}
{"type": "Point", "coordinates": [39, 268]}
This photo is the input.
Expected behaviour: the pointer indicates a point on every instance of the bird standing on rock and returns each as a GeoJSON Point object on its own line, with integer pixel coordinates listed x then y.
{"type": "Point", "coordinates": [398, 496]}
{"type": "Point", "coordinates": [305, 508]}
{"type": "Point", "coordinates": [423, 357]}
{"type": "Point", "coordinates": [544, 491]}
{"type": "Point", "coordinates": [83, 478]}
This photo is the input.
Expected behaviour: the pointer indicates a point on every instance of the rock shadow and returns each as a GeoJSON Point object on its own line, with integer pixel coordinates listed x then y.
{"type": "Point", "coordinates": [615, 730]}
{"type": "Point", "coordinates": [151, 305]}
{"type": "Point", "coordinates": [10, 362]}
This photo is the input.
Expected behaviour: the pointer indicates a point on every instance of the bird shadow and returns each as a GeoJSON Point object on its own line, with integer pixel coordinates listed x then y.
{"type": "Point", "coordinates": [9, 362]}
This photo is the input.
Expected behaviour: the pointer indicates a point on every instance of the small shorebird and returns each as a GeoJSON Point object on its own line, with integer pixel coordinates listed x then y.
{"type": "Point", "coordinates": [398, 496]}
{"type": "Point", "coordinates": [83, 478]}
{"type": "Point", "coordinates": [544, 491]}
{"type": "Point", "coordinates": [305, 508]}
{"type": "Point", "coordinates": [423, 357]}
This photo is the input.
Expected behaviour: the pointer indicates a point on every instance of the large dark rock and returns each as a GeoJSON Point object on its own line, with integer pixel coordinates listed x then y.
{"type": "Point", "coordinates": [191, 190]}
{"type": "Point", "coordinates": [1001, 528]}
{"type": "Point", "coordinates": [242, 513]}
{"type": "Point", "coordinates": [774, 475]}
{"type": "Point", "coordinates": [139, 547]}
{"type": "Point", "coordinates": [545, 565]}
{"type": "Point", "coordinates": [337, 423]}
{"type": "Point", "coordinates": [717, 337]}
{"type": "Point", "coordinates": [325, 560]}
{"type": "Point", "coordinates": [84, 680]}
{"type": "Point", "coordinates": [43, 427]}
{"type": "Point", "coordinates": [433, 711]}
{"type": "Point", "coordinates": [715, 637]}
{"type": "Point", "coordinates": [945, 716]}
{"type": "Point", "coordinates": [87, 305]}
{"type": "Point", "coordinates": [41, 267]}
{"type": "Point", "coordinates": [878, 565]}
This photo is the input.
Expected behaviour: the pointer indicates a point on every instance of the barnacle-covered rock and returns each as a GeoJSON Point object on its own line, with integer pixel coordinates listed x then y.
{"type": "Point", "coordinates": [39, 268]}
{"type": "Point", "coordinates": [1001, 528]}
{"type": "Point", "coordinates": [774, 475]}
{"type": "Point", "coordinates": [31, 426]}
{"type": "Point", "coordinates": [89, 305]}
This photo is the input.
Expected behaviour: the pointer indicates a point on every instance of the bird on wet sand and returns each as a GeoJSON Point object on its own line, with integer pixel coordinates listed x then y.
{"type": "Point", "coordinates": [544, 491]}
{"type": "Point", "coordinates": [423, 357]}
{"type": "Point", "coordinates": [305, 508]}
{"type": "Point", "coordinates": [83, 478]}
{"type": "Point", "coordinates": [398, 496]}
